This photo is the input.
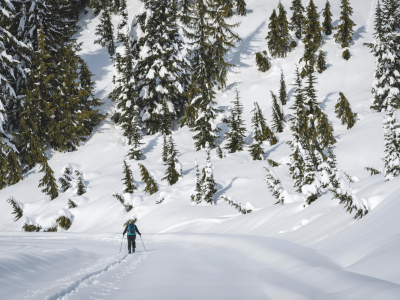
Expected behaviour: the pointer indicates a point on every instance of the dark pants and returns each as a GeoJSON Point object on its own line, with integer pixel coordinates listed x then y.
{"type": "Point", "coordinates": [131, 240]}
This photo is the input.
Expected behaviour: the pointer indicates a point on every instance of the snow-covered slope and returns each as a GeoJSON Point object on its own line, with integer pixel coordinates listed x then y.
{"type": "Point", "coordinates": [323, 230]}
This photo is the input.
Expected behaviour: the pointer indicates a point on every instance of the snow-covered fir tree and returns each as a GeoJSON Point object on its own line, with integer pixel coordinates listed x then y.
{"type": "Point", "coordinates": [327, 26]}
{"type": "Point", "coordinates": [285, 42]}
{"type": "Point", "coordinates": [262, 61]}
{"type": "Point", "coordinates": [386, 49]}
{"type": "Point", "coordinates": [311, 186]}
{"type": "Point", "coordinates": [241, 7]}
{"type": "Point", "coordinates": [224, 38]}
{"type": "Point", "coordinates": [209, 186]}
{"type": "Point", "coordinates": [135, 136]}
{"type": "Point", "coordinates": [273, 35]}
{"type": "Point", "coordinates": [391, 132]}
{"type": "Point", "coordinates": [344, 31]}
{"type": "Point", "coordinates": [343, 111]}
{"type": "Point", "coordinates": [174, 170]}
{"type": "Point", "coordinates": [197, 194]}
{"type": "Point", "coordinates": [259, 123]}
{"type": "Point", "coordinates": [202, 105]}
{"type": "Point", "coordinates": [220, 153]}
{"type": "Point", "coordinates": [256, 149]}
{"type": "Point", "coordinates": [297, 20]}
{"type": "Point", "coordinates": [235, 136]}
{"type": "Point", "coordinates": [81, 189]}
{"type": "Point", "coordinates": [48, 181]}
{"type": "Point", "coordinates": [282, 90]}
{"type": "Point", "coordinates": [161, 70]}
{"type": "Point", "coordinates": [321, 63]}
{"type": "Point", "coordinates": [128, 180]}
{"type": "Point", "coordinates": [278, 117]}
{"type": "Point", "coordinates": [106, 28]}
{"type": "Point", "coordinates": [65, 180]}
{"type": "Point", "coordinates": [279, 38]}
{"type": "Point", "coordinates": [166, 150]}
{"type": "Point", "coordinates": [312, 38]}
{"type": "Point", "coordinates": [323, 129]}
{"type": "Point", "coordinates": [151, 185]}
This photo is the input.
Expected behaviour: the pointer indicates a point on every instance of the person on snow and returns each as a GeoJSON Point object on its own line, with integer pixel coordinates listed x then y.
{"type": "Point", "coordinates": [131, 228]}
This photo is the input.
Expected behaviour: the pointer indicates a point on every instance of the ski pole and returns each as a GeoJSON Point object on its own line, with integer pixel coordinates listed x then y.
{"type": "Point", "coordinates": [121, 245]}
{"type": "Point", "coordinates": [143, 244]}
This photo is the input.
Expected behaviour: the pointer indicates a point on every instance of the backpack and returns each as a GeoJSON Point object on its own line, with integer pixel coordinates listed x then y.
{"type": "Point", "coordinates": [131, 229]}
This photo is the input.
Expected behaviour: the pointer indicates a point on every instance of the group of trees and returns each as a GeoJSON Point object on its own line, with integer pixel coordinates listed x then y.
{"type": "Point", "coordinates": [161, 79]}
{"type": "Point", "coordinates": [306, 26]}
{"type": "Point", "coordinates": [46, 99]}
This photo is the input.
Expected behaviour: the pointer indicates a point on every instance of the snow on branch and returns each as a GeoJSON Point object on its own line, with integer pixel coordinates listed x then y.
{"type": "Point", "coordinates": [243, 209]}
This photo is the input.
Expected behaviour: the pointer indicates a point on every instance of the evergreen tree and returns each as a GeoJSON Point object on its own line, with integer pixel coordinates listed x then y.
{"type": "Point", "coordinates": [237, 128]}
{"type": "Point", "coordinates": [282, 90]}
{"type": "Point", "coordinates": [241, 7]}
{"type": "Point", "coordinates": [391, 129]}
{"type": "Point", "coordinates": [256, 149]}
{"type": "Point", "coordinates": [173, 171]}
{"type": "Point", "coordinates": [65, 180]}
{"type": "Point", "coordinates": [262, 61]}
{"type": "Point", "coordinates": [71, 204]}
{"type": "Point", "coordinates": [311, 187]}
{"type": "Point", "coordinates": [135, 136]}
{"type": "Point", "coordinates": [300, 131]}
{"type": "Point", "coordinates": [106, 28]}
{"type": "Point", "coordinates": [79, 183]}
{"type": "Point", "coordinates": [161, 72]}
{"type": "Point", "coordinates": [209, 187]}
{"type": "Point", "coordinates": [199, 31]}
{"type": "Point", "coordinates": [273, 35]}
{"type": "Point", "coordinates": [166, 149]}
{"type": "Point", "coordinates": [297, 20]}
{"type": "Point", "coordinates": [327, 24]}
{"type": "Point", "coordinates": [343, 111]}
{"type": "Point", "coordinates": [278, 118]}
{"type": "Point", "coordinates": [151, 185]}
{"type": "Point", "coordinates": [346, 54]}
{"type": "Point", "coordinates": [18, 208]}
{"type": "Point", "coordinates": [197, 195]}
{"type": "Point", "coordinates": [312, 38]}
{"type": "Point", "coordinates": [284, 41]}
{"type": "Point", "coordinates": [258, 117]}
{"type": "Point", "coordinates": [324, 130]}
{"type": "Point", "coordinates": [13, 168]}
{"type": "Point", "coordinates": [224, 37]}
{"type": "Point", "coordinates": [321, 64]}
{"type": "Point", "coordinates": [220, 152]}
{"type": "Point", "coordinates": [48, 181]}
{"type": "Point", "coordinates": [28, 141]}
{"type": "Point", "coordinates": [386, 49]}
{"type": "Point", "coordinates": [344, 31]}
{"type": "Point", "coordinates": [128, 180]}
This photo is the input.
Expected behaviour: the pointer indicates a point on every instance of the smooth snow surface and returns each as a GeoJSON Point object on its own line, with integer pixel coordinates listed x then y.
{"type": "Point", "coordinates": [213, 252]}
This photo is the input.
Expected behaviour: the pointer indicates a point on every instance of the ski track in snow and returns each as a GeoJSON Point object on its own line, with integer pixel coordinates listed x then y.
{"type": "Point", "coordinates": [90, 278]}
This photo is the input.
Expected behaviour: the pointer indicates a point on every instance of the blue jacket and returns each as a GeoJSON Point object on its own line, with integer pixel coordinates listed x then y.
{"type": "Point", "coordinates": [131, 229]}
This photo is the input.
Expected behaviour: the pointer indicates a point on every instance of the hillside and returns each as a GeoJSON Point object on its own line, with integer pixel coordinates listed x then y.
{"type": "Point", "coordinates": [314, 252]}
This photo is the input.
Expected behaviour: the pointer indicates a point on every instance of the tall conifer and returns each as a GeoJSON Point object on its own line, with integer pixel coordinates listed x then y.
{"type": "Point", "coordinates": [151, 186]}
{"type": "Point", "coordinates": [391, 128]}
{"type": "Point", "coordinates": [344, 31]}
{"type": "Point", "coordinates": [48, 181]}
{"type": "Point", "coordinates": [237, 128]}
{"type": "Point", "coordinates": [312, 38]}
{"type": "Point", "coordinates": [197, 194]}
{"type": "Point", "coordinates": [161, 72]}
{"type": "Point", "coordinates": [224, 39]}
{"type": "Point", "coordinates": [282, 90]}
{"type": "Point", "coordinates": [297, 20]}
{"type": "Point", "coordinates": [343, 111]}
{"type": "Point", "coordinates": [273, 35]}
{"type": "Point", "coordinates": [128, 180]}
{"type": "Point", "coordinates": [209, 186]}
{"type": "Point", "coordinates": [278, 118]}
{"type": "Point", "coordinates": [327, 26]}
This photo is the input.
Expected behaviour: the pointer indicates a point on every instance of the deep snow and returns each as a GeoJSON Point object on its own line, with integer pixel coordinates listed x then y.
{"type": "Point", "coordinates": [276, 252]}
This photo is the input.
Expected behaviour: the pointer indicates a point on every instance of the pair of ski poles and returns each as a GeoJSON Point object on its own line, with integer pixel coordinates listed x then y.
{"type": "Point", "coordinates": [123, 240]}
